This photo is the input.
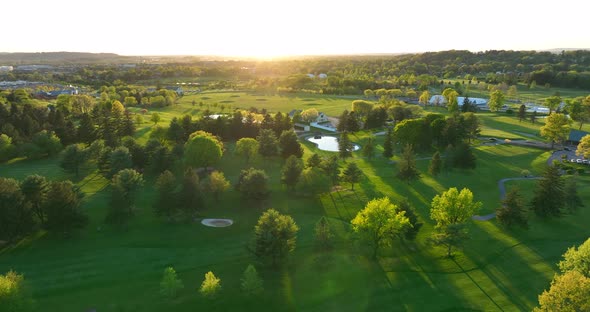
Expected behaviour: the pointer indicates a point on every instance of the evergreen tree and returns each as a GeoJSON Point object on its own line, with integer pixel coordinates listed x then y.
{"type": "Point", "coordinates": [323, 234]}
{"type": "Point", "coordinates": [63, 207]}
{"type": "Point", "coordinates": [463, 157]}
{"type": "Point", "coordinates": [122, 204]}
{"type": "Point", "coordinates": [572, 200]}
{"type": "Point", "coordinates": [217, 183]}
{"type": "Point", "coordinates": [275, 236]}
{"type": "Point", "coordinates": [160, 160]}
{"type": "Point", "coordinates": [314, 161]}
{"type": "Point", "coordinates": [521, 112]}
{"type": "Point", "coordinates": [253, 183]}
{"type": "Point", "coordinates": [190, 196]}
{"type": "Point", "coordinates": [269, 144]}
{"type": "Point", "coordinates": [388, 144]}
{"type": "Point", "coordinates": [166, 187]}
{"type": "Point", "coordinates": [512, 212]}
{"type": "Point", "coordinates": [119, 159]}
{"type": "Point", "coordinates": [290, 145]}
{"type": "Point", "coordinates": [369, 148]}
{"type": "Point", "coordinates": [73, 157]}
{"type": "Point", "coordinates": [127, 125]}
{"type": "Point", "coordinates": [35, 188]}
{"type": "Point", "coordinates": [411, 232]}
{"type": "Point", "coordinates": [291, 172]}
{"type": "Point", "coordinates": [344, 146]}
{"type": "Point", "coordinates": [549, 198]}
{"type": "Point", "coordinates": [170, 284]}
{"type": "Point", "coordinates": [331, 168]}
{"type": "Point", "coordinates": [352, 123]}
{"type": "Point", "coordinates": [343, 122]}
{"type": "Point", "coordinates": [251, 282]}
{"type": "Point", "coordinates": [211, 286]}
{"type": "Point", "coordinates": [352, 174]}
{"type": "Point", "coordinates": [407, 166]}
{"type": "Point", "coordinates": [435, 164]}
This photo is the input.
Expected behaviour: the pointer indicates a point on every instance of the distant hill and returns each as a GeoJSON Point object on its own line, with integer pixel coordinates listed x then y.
{"type": "Point", "coordinates": [64, 58]}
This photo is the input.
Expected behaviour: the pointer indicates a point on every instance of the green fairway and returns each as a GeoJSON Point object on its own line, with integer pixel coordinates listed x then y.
{"type": "Point", "coordinates": [111, 269]}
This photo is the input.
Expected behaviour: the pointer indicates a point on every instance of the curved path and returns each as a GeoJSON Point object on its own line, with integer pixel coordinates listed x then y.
{"type": "Point", "coordinates": [502, 190]}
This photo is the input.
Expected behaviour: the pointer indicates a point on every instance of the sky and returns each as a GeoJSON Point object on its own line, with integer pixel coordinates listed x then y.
{"type": "Point", "coordinates": [270, 28]}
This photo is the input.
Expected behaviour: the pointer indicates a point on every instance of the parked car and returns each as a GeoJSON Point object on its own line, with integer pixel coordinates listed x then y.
{"type": "Point", "coordinates": [579, 161]}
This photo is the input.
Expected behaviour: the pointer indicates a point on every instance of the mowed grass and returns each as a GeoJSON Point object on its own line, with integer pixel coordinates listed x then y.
{"type": "Point", "coordinates": [110, 269]}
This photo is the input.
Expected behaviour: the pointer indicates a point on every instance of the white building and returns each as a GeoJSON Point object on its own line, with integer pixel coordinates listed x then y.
{"type": "Point", "coordinates": [439, 100]}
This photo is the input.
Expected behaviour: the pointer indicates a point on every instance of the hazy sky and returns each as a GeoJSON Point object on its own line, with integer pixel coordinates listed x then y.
{"type": "Point", "coordinates": [290, 27]}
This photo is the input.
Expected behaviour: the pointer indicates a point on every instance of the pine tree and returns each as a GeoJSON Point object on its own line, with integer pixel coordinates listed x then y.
{"type": "Point", "coordinates": [435, 164]}
{"type": "Point", "coordinates": [410, 233]}
{"type": "Point", "coordinates": [211, 286]}
{"type": "Point", "coordinates": [352, 174]}
{"type": "Point", "coordinates": [512, 212]}
{"type": "Point", "coordinates": [190, 196]}
{"type": "Point", "coordinates": [521, 112]}
{"type": "Point", "coordinates": [127, 125]}
{"type": "Point", "coordinates": [291, 172]}
{"type": "Point", "coordinates": [407, 166]}
{"type": "Point", "coordinates": [314, 161]}
{"type": "Point", "coordinates": [251, 282]}
{"type": "Point", "coordinates": [388, 144]}
{"type": "Point", "coordinates": [369, 148]}
{"type": "Point", "coordinates": [165, 186]}
{"type": "Point", "coordinates": [170, 284]}
{"type": "Point", "coordinates": [549, 194]}
{"type": "Point", "coordinates": [344, 146]}
{"type": "Point", "coordinates": [572, 200]}
{"type": "Point", "coordinates": [323, 234]}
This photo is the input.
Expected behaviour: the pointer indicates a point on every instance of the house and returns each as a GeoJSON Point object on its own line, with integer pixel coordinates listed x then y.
{"type": "Point", "coordinates": [179, 91]}
{"type": "Point", "coordinates": [439, 100]}
{"type": "Point", "coordinates": [321, 118]}
{"type": "Point", "coordinates": [576, 136]}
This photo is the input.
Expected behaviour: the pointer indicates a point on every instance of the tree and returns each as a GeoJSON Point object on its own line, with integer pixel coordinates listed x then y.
{"type": "Point", "coordinates": [170, 283]}
{"type": "Point", "coordinates": [549, 194]}
{"type": "Point", "coordinates": [556, 128]}
{"type": "Point", "coordinates": [533, 117]}
{"type": "Point", "coordinates": [73, 156]}
{"type": "Point", "coordinates": [584, 147]}
{"type": "Point", "coordinates": [450, 96]}
{"type": "Point", "coordinates": [451, 210]}
{"type": "Point", "coordinates": [253, 183]}
{"type": "Point", "coordinates": [251, 282]}
{"type": "Point", "coordinates": [462, 156]}
{"type": "Point", "coordinates": [190, 196]}
{"type": "Point", "coordinates": [369, 148]}
{"type": "Point", "coordinates": [568, 292]}
{"type": "Point", "coordinates": [119, 159]}
{"type": "Point", "coordinates": [369, 93]}
{"type": "Point", "coordinates": [512, 211]}
{"type": "Point", "coordinates": [344, 146]}
{"type": "Point", "coordinates": [15, 294]}
{"type": "Point", "coordinates": [352, 174]}
{"type": "Point", "coordinates": [35, 188]}
{"type": "Point", "coordinates": [166, 197]}
{"type": "Point", "coordinates": [410, 232]}
{"type": "Point", "coordinates": [313, 181]}
{"type": "Point", "coordinates": [16, 218]}
{"type": "Point", "coordinates": [407, 165]}
{"type": "Point", "coordinates": [309, 115]}
{"type": "Point", "coordinates": [247, 148]}
{"type": "Point", "coordinates": [314, 161]}
{"type": "Point", "coordinates": [155, 118]}
{"type": "Point", "coordinates": [496, 100]}
{"type": "Point", "coordinates": [424, 98]}
{"type": "Point", "coordinates": [435, 164]}
{"type": "Point", "coordinates": [291, 172]}
{"type": "Point", "coordinates": [217, 183]}
{"type": "Point", "coordinates": [343, 122]}
{"type": "Point", "coordinates": [211, 286]}
{"type": "Point", "coordinates": [275, 236]}
{"type": "Point", "coordinates": [362, 108]}
{"type": "Point", "coordinates": [521, 113]}
{"type": "Point", "coordinates": [470, 124]}
{"type": "Point", "coordinates": [125, 185]}
{"type": "Point", "coordinates": [290, 145]}
{"type": "Point", "coordinates": [577, 259]}
{"type": "Point", "coordinates": [378, 223]}
{"type": "Point", "coordinates": [202, 149]}
{"type": "Point", "coordinates": [570, 191]}
{"type": "Point", "coordinates": [64, 208]}
{"type": "Point", "coordinates": [552, 103]}
{"type": "Point", "coordinates": [86, 130]}
{"type": "Point", "coordinates": [512, 92]}
{"type": "Point", "coordinates": [388, 144]}
{"type": "Point", "coordinates": [331, 168]}
{"type": "Point", "coordinates": [47, 143]}
{"type": "Point", "coordinates": [579, 110]}
{"type": "Point", "coordinates": [323, 234]}
{"type": "Point", "coordinates": [128, 125]}
{"type": "Point", "coordinates": [268, 143]}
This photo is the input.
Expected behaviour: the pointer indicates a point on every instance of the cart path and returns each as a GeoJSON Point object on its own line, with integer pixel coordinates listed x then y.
{"type": "Point", "coordinates": [502, 189]}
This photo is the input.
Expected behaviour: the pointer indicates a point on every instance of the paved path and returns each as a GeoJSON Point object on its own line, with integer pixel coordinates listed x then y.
{"type": "Point", "coordinates": [502, 189]}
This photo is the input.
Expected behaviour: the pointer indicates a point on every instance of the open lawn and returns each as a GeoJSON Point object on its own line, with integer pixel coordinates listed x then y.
{"type": "Point", "coordinates": [111, 269]}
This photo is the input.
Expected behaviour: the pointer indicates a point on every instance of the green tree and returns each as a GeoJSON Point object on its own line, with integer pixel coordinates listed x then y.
{"type": "Point", "coordinates": [190, 196]}
{"type": "Point", "coordinates": [15, 294]}
{"type": "Point", "coordinates": [435, 164]}
{"type": "Point", "coordinates": [269, 144]}
{"type": "Point", "coordinates": [369, 148]}
{"type": "Point", "coordinates": [291, 172]}
{"type": "Point", "coordinates": [309, 115]}
{"type": "Point", "coordinates": [275, 236]}
{"type": "Point", "coordinates": [331, 168]}
{"type": "Point", "coordinates": [549, 198]}
{"type": "Point", "coordinates": [155, 118]}
{"type": "Point", "coordinates": [569, 292]}
{"type": "Point", "coordinates": [313, 181]}
{"type": "Point", "coordinates": [521, 113]}
{"type": "Point", "coordinates": [362, 108]}
{"type": "Point", "coordinates": [407, 165]}
{"type": "Point", "coordinates": [496, 100]}
{"type": "Point", "coordinates": [34, 188]}
{"type": "Point", "coordinates": [512, 211]}
{"type": "Point", "coordinates": [388, 144]}
{"type": "Point", "coordinates": [247, 148]}
{"type": "Point", "coordinates": [211, 286]}
{"type": "Point", "coordinates": [556, 128]}
{"type": "Point", "coordinates": [584, 147]}
{"type": "Point", "coordinates": [119, 159]}
{"type": "Point", "coordinates": [251, 282]}
{"type": "Point", "coordinates": [451, 210]}
{"type": "Point", "coordinates": [47, 143]}
{"type": "Point", "coordinates": [64, 208]}
{"type": "Point", "coordinates": [410, 232]}
{"type": "Point", "coordinates": [533, 117]}
{"type": "Point", "coordinates": [125, 185]}
{"type": "Point", "coordinates": [253, 183]}
{"type": "Point", "coordinates": [324, 238]}
{"type": "Point", "coordinates": [202, 149]}
{"type": "Point", "coordinates": [217, 183]}
{"type": "Point", "coordinates": [470, 124]}
{"type": "Point", "coordinates": [170, 283]}
{"type": "Point", "coordinates": [378, 223]}
{"type": "Point", "coordinates": [73, 157]}
{"type": "Point", "coordinates": [314, 161]}
{"type": "Point", "coordinates": [352, 174]}
{"type": "Point", "coordinates": [16, 218]}
{"type": "Point", "coordinates": [344, 146]}
{"type": "Point", "coordinates": [579, 110]}
{"type": "Point", "coordinates": [570, 191]}
{"type": "Point", "coordinates": [424, 98]}
{"type": "Point", "coordinates": [166, 197]}
{"type": "Point", "coordinates": [552, 103]}
{"type": "Point", "coordinates": [577, 259]}
{"type": "Point", "coordinates": [290, 145]}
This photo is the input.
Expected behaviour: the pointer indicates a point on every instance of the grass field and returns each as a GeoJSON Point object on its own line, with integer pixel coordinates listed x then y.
{"type": "Point", "coordinates": [109, 269]}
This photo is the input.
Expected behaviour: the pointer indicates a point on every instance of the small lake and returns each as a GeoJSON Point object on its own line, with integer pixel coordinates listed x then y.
{"type": "Point", "coordinates": [329, 143]}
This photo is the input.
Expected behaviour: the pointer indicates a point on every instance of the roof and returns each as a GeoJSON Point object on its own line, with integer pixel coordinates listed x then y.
{"type": "Point", "coordinates": [577, 135]}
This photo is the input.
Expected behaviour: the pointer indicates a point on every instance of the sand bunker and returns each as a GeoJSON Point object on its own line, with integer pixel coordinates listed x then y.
{"type": "Point", "coordinates": [217, 222]}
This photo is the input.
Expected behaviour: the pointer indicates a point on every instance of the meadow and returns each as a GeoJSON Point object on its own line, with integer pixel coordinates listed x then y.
{"type": "Point", "coordinates": [109, 269]}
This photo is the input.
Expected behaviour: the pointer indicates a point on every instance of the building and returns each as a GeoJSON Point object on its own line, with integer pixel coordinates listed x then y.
{"type": "Point", "coordinates": [179, 91]}
{"type": "Point", "coordinates": [576, 136]}
{"type": "Point", "coordinates": [479, 103]}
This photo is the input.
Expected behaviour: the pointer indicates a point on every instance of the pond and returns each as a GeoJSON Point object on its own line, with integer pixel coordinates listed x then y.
{"type": "Point", "coordinates": [329, 143]}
